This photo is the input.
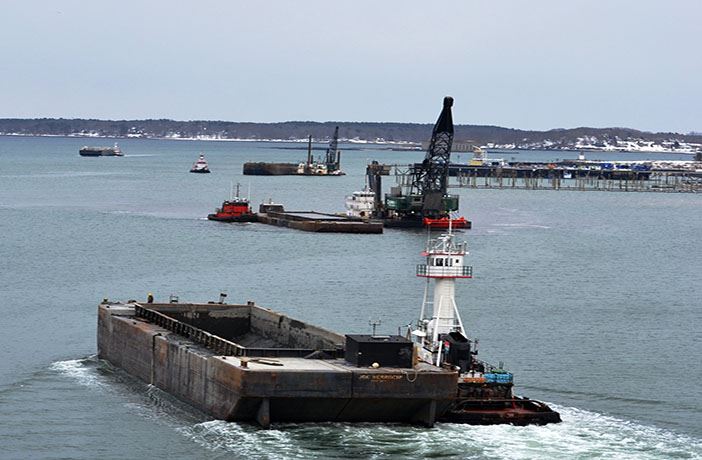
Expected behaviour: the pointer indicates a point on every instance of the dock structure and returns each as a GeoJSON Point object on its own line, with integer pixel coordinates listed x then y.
{"type": "Point", "coordinates": [249, 363]}
{"type": "Point", "coordinates": [659, 181]}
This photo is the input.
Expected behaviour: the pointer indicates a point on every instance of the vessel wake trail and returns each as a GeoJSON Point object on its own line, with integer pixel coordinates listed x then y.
{"type": "Point", "coordinates": [582, 434]}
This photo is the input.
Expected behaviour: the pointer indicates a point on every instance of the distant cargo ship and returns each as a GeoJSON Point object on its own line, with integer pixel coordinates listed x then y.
{"type": "Point", "coordinates": [101, 151]}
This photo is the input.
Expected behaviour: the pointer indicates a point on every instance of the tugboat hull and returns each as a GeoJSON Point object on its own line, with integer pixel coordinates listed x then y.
{"type": "Point", "coordinates": [443, 223]}
{"type": "Point", "coordinates": [231, 218]}
{"type": "Point", "coordinates": [516, 411]}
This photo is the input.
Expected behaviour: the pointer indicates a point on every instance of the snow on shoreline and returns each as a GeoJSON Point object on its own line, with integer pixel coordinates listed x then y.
{"type": "Point", "coordinates": [627, 146]}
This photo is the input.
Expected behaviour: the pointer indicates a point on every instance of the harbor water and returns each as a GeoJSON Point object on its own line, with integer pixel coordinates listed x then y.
{"type": "Point", "coordinates": [591, 299]}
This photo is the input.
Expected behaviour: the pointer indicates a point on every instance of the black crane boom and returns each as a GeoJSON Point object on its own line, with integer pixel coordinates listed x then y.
{"type": "Point", "coordinates": [430, 179]}
{"type": "Point", "coordinates": [422, 195]}
{"type": "Point", "coordinates": [333, 158]}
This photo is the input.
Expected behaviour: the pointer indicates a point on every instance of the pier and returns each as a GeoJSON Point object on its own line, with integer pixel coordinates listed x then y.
{"type": "Point", "coordinates": [657, 181]}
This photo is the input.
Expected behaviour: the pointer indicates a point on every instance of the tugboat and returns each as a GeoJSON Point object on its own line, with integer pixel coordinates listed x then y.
{"type": "Point", "coordinates": [484, 392]}
{"type": "Point", "coordinates": [200, 166]}
{"type": "Point", "coordinates": [101, 151]}
{"type": "Point", "coordinates": [235, 209]}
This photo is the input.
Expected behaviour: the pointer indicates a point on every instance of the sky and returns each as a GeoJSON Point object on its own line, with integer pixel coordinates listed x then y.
{"type": "Point", "coordinates": [537, 64]}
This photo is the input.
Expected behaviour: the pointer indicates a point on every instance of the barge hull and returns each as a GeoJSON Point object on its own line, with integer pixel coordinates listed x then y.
{"type": "Point", "coordinates": [270, 169]}
{"type": "Point", "coordinates": [241, 388]}
{"type": "Point", "coordinates": [311, 221]}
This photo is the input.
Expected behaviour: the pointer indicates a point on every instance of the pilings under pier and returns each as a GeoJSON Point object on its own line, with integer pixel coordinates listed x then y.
{"type": "Point", "coordinates": [658, 182]}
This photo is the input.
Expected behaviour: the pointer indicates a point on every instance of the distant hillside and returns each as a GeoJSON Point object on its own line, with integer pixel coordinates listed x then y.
{"type": "Point", "coordinates": [372, 132]}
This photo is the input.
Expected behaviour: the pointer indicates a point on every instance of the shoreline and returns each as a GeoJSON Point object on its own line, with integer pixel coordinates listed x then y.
{"type": "Point", "coordinates": [408, 145]}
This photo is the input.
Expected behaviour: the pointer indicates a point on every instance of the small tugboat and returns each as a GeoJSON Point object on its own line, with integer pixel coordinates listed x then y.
{"type": "Point", "coordinates": [101, 151]}
{"type": "Point", "coordinates": [484, 395]}
{"type": "Point", "coordinates": [200, 166]}
{"type": "Point", "coordinates": [235, 209]}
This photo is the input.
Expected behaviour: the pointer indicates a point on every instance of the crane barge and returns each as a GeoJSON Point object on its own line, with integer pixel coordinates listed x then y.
{"type": "Point", "coordinates": [422, 198]}
{"type": "Point", "coordinates": [330, 165]}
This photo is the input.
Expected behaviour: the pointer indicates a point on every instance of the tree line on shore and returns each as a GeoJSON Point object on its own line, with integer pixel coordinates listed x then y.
{"type": "Point", "coordinates": [368, 131]}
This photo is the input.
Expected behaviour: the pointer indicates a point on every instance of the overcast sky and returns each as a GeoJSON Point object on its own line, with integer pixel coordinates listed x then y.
{"type": "Point", "coordinates": [514, 63]}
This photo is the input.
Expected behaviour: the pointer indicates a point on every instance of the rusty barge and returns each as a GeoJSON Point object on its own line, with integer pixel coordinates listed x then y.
{"type": "Point", "coordinates": [312, 221]}
{"type": "Point", "coordinates": [248, 363]}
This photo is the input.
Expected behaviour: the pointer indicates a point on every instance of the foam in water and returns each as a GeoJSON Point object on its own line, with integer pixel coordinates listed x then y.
{"type": "Point", "coordinates": [79, 370]}
{"type": "Point", "coordinates": [522, 225]}
{"type": "Point", "coordinates": [583, 434]}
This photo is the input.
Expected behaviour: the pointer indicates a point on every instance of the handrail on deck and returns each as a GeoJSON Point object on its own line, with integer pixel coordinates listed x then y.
{"type": "Point", "coordinates": [220, 345]}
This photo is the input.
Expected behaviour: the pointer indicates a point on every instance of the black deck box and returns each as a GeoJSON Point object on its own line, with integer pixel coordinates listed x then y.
{"type": "Point", "coordinates": [386, 350]}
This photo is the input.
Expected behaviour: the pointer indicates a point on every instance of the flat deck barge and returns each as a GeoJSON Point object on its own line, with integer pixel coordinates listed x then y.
{"type": "Point", "coordinates": [270, 169]}
{"type": "Point", "coordinates": [248, 363]}
{"type": "Point", "coordinates": [311, 221]}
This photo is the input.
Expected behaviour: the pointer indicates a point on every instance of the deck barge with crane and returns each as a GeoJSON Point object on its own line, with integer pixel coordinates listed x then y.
{"type": "Point", "coordinates": [330, 165]}
{"type": "Point", "coordinates": [421, 199]}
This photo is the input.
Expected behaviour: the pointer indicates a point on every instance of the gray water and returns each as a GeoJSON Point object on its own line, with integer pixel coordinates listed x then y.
{"type": "Point", "coordinates": [592, 299]}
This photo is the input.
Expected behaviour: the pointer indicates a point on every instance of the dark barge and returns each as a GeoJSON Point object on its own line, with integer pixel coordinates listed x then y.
{"type": "Point", "coordinates": [270, 169]}
{"type": "Point", "coordinates": [248, 363]}
{"type": "Point", "coordinates": [100, 151]}
{"type": "Point", "coordinates": [312, 221]}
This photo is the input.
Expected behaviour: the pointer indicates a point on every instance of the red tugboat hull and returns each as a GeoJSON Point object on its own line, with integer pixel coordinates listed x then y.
{"type": "Point", "coordinates": [443, 222]}
{"type": "Point", "coordinates": [224, 217]}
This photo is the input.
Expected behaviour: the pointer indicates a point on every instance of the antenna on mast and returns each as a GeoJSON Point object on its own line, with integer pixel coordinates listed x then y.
{"type": "Point", "coordinates": [374, 324]}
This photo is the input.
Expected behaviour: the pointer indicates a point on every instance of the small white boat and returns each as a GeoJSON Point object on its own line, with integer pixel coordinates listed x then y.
{"type": "Point", "coordinates": [200, 166]}
{"type": "Point", "coordinates": [361, 204]}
